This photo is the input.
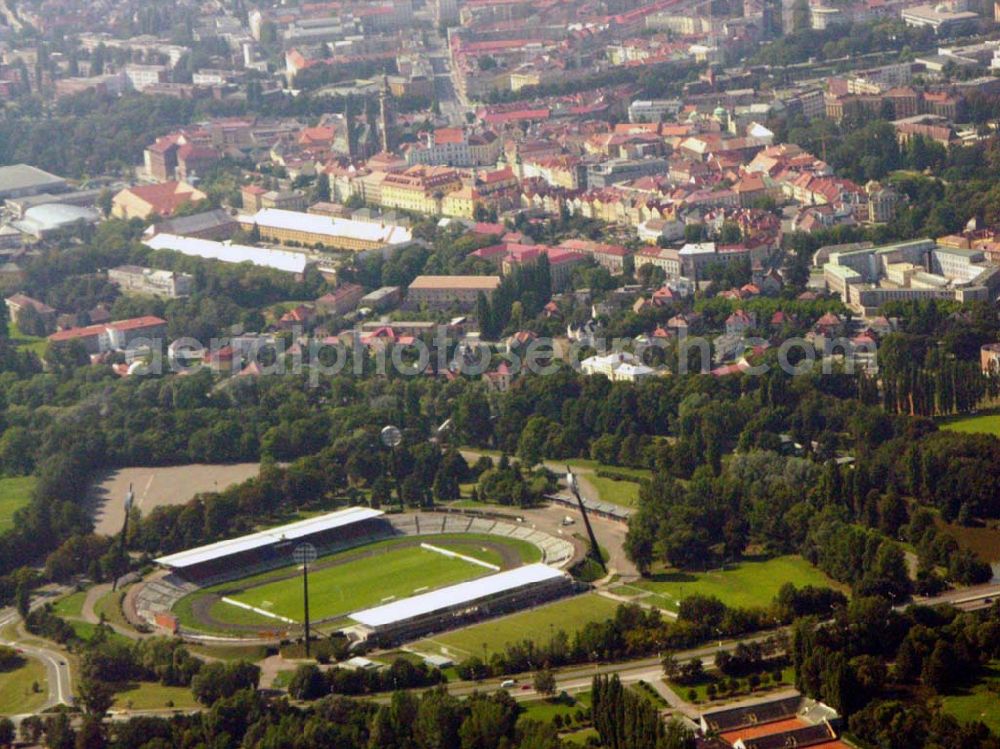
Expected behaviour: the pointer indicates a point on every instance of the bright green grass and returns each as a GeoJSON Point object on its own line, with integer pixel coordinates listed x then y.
{"type": "Point", "coordinates": [587, 464]}
{"type": "Point", "coordinates": [15, 493]}
{"type": "Point", "coordinates": [568, 614]}
{"type": "Point", "coordinates": [985, 423]}
{"type": "Point", "coordinates": [16, 693]}
{"type": "Point", "coordinates": [145, 695]}
{"type": "Point", "coordinates": [701, 688]}
{"type": "Point", "coordinates": [617, 492]}
{"type": "Point", "coordinates": [71, 606]}
{"type": "Point", "coordinates": [27, 342]}
{"type": "Point", "coordinates": [228, 614]}
{"type": "Point", "coordinates": [545, 710]}
{"type": "Point", "coordinates": [745, 584]}
{"type": "Point", "coordinates": [579, 738]}
{"type": "Point", "coordinates": [978, 702]}
{"type": "Point", "coordinates": [473, 547]}
{"type": "Point", "coordinates": [365, 582]}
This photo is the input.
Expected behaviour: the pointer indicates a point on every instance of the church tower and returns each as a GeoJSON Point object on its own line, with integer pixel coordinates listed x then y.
{"type": "Point", "coordinates": [385, 115]}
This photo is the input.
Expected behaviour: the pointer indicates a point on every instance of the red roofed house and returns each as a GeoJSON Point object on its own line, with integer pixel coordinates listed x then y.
{"type": "Point", "coordinates": [143, 201]}
{"type": "Point", "coordinates": [115, 336]}
{"type": "Point", "coordinates": [341, 300]}
{"type": "Point", "coordinates": [607, 256]}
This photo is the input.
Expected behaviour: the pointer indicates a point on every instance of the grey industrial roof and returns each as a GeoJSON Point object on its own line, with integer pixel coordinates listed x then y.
{"type": "Point", "coordinates": [21, 176]}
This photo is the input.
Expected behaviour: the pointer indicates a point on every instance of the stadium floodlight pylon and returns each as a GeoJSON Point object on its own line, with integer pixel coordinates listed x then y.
{"type": "Point", "coordinates": [595, 549]}
{"type": "Point", "coordinates": [305, 554]}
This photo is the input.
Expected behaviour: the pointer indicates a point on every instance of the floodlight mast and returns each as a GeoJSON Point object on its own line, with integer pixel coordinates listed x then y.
{"type": "Point", "coordinates": [129, 501]}
{"type": "Point", "coordinates": [305, 554]}
{"type": "Point", "coordinates": [574, 487]}
{"type": "Point", "coordinates": [391, 437]}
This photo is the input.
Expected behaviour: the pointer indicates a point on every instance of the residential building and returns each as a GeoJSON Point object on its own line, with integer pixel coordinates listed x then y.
{"type": "Point", "coordinates": [17, 303]}
{"type": "Point", "coordinates": [617, 367]}
{"type": "Point", "coordinates": [143, 201]}
{"type": "Point", "coordinates": [115, 336]}
{"type": "Point", "coordinates": [162, 283]}
{"type": "Point", "coordinates": [141, 77]}
{"type": "Point", "coordinates": [456, 146]}
{"type": "Point", "coordinates": [420, 189]}
{"type": "Point", "coordinates": [443, 292]}
{"type": "Point", "coordinates": [327, 232]}
{"type": "Point", "coordinates": [340, 301]}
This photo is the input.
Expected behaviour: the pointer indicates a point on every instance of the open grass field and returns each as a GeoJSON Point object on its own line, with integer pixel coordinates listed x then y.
{"type": "Point", "coordinates": [978, 702]}
{"type": "Point", "coordinates": [27, 342]}
{"type": "Point", "coordinates": [146, 695]}
{"type": "Point", "coordinates": [748, 583]}
{"type": "Point", "coordinates": [545, 710]}
{"type": "Point", "coordinates": [14, 494]}
{"type": "Point", "coordinates": [617, 492]}
{"type": "Point", "coordinates": [567, 614]}
{"type": "Point", "coordinates": [17, 692]}
{"type": "Point", "coordinates": [983, 423]}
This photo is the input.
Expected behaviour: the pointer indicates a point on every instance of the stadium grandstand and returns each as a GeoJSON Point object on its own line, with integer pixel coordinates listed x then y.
{"type": "Point", "coordinates": [273, 547]}
{"type": "Point", "coordinates": [448, 607]}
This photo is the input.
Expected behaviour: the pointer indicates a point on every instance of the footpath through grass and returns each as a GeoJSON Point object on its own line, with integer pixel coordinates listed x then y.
{"type": "Point", "coordinates": [567, 614]}
{"type": "Point", "coordinates": [15, 493]}
{"type": "Point", "coordinates": [752, 582]}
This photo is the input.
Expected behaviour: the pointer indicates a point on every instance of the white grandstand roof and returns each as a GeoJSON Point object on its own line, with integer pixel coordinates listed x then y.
{"type": "Point", "coordinates": [455, 595]}
{"type": "Point", "coordinates": [290, 532]}
{"type": "Point", "coordinates": [283, 260]}
{"type": "Point", "coordinates": [369, 231]}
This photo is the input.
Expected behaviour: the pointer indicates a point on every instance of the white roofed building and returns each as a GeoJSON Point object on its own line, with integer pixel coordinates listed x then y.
{"type": "Point", "coordinates": [226, 252]}
{"type": "Point", "coordinates": [273, 547]}
{"type": "Point", "coordinates": [325, 232]}
{"type": "Point", "coordinates": [440, 609]}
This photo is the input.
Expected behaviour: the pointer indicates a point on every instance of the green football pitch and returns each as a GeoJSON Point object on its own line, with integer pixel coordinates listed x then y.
{"type": "Point", "coordinates": [361, 583]}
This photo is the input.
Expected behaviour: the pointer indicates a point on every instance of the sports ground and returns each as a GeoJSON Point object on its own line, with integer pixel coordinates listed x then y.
{"type": "Point", "coordinates": [351, 580]}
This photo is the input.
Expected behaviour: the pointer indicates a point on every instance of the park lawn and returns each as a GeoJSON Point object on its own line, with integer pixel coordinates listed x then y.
{"type": "Point", "coordinates": [580, 738]}
{"type": "Point", "coordinates": [617, 492]}
{"type": "Point", "coordinates": [27, 342]}
{"type": "Point", "coordinates": [110, 607]}
{"type": "Point", "coordinates": [252, 653]}
{"type": "Point", "coordinates": [17, 695]}
{"type": "Point", "coordinates": [147, 695]}
{"type": "Point", "coordinates": [545, 710]}
{"type": "Point", "coordinates": [752, 582]}
{"type": "Point", "coordinates": [71, 606]}
{"type": "Point", "coordinates": [984, 423]}
{"type": "Point", "coordinates": [362, 583]}
{"type": "Point", "coordinates": [15, 493]}
{"type": "Point", "coordinates": [713, 677]}
{"type": "Point", "coordinates": [567, 614]}
{"type": "Point", "coordinates": [638, 474]}
{"type": "Point", "coordinates": [977, 702]}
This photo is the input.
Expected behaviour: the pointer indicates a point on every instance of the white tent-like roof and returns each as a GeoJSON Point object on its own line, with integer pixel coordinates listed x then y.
{"type": "Point", "coordinates": [455, 595]}
{"type": "Point", "coordinates": [269, 537]}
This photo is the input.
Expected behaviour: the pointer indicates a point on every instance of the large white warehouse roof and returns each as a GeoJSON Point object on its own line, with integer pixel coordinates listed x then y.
{"type": "Point", "coordinates": [265, 257]}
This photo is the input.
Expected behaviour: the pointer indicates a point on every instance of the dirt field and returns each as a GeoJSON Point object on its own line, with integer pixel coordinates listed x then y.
{"type": "Point", "coordinates": [155, 487]}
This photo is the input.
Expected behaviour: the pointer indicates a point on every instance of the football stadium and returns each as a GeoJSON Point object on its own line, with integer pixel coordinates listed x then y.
{"type": "Point", "coordinates": [378, 578]}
